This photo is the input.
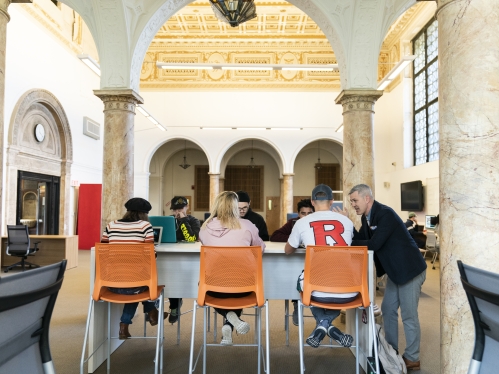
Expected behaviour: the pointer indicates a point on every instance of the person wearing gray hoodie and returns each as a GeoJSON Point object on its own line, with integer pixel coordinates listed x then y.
{"type": "Point", "coordinates": [224, 227]}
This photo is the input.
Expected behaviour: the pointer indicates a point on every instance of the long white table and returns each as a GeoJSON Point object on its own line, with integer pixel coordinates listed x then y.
{"type": "Point", "coordinates": [178, 270]}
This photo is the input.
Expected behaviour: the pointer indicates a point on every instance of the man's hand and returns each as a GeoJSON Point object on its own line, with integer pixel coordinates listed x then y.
{"type": "Point", "coordinates": [180, 215]}
{"type": "Point", "coordinates": [340, 211]}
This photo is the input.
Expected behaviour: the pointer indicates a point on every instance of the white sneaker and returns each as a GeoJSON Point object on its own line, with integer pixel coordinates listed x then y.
{"type": "Point", "coordinates": [226, 335]}
{"type": "Point", "coordinates": [240, 326]}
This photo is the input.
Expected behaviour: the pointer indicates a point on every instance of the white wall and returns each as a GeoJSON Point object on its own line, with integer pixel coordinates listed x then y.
{"type": "Point", "coordinates": [35, 59]}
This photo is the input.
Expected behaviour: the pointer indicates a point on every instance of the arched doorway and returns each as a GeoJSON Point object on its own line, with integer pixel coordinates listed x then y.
{"type": "Point", "coordinates": [39, 155]}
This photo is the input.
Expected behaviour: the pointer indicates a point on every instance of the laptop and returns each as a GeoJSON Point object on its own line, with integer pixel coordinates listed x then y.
{"type": "Point", "coordinates": [168, 234]}
{"type": "Point", "coordinates": [158, 231]}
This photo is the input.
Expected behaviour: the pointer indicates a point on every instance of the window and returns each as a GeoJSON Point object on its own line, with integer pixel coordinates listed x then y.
{"type": "Point", "coordinates": [202, 188]}
{"type": "Point", "coordinates": [329, 174]}
{"type": "Point", "coordinates": [426, 141]}
{"type": "Point", "coordinates": [246, 179]}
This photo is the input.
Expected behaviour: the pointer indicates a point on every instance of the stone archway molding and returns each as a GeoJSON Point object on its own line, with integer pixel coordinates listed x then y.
{"type": "Point", "coordinates": [21, 156]}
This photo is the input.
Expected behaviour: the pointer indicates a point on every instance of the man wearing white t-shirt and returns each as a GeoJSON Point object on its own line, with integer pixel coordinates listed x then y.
{"type": "Point", "coordinates": [323, 227]}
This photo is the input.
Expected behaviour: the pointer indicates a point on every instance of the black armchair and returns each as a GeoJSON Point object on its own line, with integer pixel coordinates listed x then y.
{"type": "Point", "coordinates": [482, 291]}
{"type": "Point", "coordinates": [26, 304]}
{"type": "Point", "coordinates": [19, 245]}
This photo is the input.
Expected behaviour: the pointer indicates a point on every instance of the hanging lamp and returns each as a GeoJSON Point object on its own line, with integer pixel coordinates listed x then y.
{"type": "Point", "coordinates": [252, 162]}
{"type": "Point", "coordinates": [318, 165]}
{"type": "Point", "coordinates": [184, 165]}
{"type": "Point", "coordinates": [234, 12]}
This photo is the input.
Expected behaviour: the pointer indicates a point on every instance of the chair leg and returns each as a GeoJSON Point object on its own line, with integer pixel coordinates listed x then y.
{"type": "Point", "coordinates": [215, 318]}
{"type": "Point", "coordinates": [193, 331]}
{"type": "Point", "coordinates": [372, 321]}
{"type": "Point", "coordinates": [158, 361]}
{"type": "Point", "coordinates": [300, 335]}
{"type": "Point", "coordinates": [108, 366]}
{"type": "Point", "coordinates": [286, 320]}
{"type": "Point", "coordinates": [267, 336]}
{"type": "Point", "coordinates": [205, 314]}
{"type": "Point", "coordinates": [356, 341]}
{"type": "Point", "coordinates": [179, 314]}
{"type": "Point", "coordinates": [258, 327]}
{"type": "Point", "coordinates": [87, 329]}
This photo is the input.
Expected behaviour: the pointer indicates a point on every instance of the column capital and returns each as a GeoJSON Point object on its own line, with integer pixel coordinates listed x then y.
{"type": "Point", "coordinates": [4, 4]}
{"type": "Point", "coordinates": [213, 174]}
{"type": "Point", "coordinates": [288, 174]}
{"type": "Point", "coordinates": [123, 100]}
{"type": "Point", "coordinates": [358, 100]}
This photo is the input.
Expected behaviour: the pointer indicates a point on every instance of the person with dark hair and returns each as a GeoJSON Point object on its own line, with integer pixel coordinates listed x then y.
{"type": "Point", "coordinates": [187, 230]}
{"type": "Point", "coordinates": [412, 227]}
{"type": "Point", "coordinates": [246, 213]}
{"type": "Point", "coordinates": [133, 228]}
{"type": "Point", "coordinates": [323, 227]}
{"type": "Point", "coordinates": [305, 208]}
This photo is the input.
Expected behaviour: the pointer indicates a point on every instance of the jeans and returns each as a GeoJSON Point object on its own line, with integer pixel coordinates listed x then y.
{"type": "Point", "coordinates": [329, 315]}
{"type": "Point", "coordinates": [405, 297]}
{"type": "Point", "coordinates": [130, 308]}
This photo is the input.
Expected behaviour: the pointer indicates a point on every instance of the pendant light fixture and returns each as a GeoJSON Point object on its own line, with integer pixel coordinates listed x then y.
{"type": "Point", "coordinates": [252, 162]}
{"type": "Point", "coordinates": [234, 12]}
{"type": "Point", "coordinates": [318, 166]}
{"type": "Point", "coordinates": [184, 165]}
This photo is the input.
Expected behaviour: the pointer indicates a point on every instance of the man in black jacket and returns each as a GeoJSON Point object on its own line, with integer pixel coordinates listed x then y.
{"type": "Point", "coordinates": [187, 230]}
{"type": "Point", "coordinates": [246, 213]}
{"type": "Point", "coordinates": [397, 255]}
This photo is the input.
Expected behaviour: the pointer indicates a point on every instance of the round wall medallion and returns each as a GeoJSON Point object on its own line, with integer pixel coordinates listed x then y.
{"type": "Point", "coordinates": [39, 132]}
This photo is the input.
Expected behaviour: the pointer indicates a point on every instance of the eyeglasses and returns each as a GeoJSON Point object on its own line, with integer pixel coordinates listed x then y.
{"type": "Point", "coordinates": [244, 208]}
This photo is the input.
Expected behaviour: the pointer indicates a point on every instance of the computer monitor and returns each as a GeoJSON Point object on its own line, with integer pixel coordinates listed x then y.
{"type": "Point", "coordinates": [428, 220]}
{"type": "Point", "coordinates": [169, 234]}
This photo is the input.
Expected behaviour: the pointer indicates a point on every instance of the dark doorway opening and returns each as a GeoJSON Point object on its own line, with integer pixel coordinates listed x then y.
{"type": "Point", "coordinates": [38, 197]}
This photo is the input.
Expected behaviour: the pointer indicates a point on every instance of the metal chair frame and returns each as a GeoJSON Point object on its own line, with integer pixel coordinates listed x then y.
{"type": "Point", "coordinates": [29, 251]}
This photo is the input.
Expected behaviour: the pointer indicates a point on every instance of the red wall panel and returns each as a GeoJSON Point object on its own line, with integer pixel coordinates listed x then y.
{"type": "Point", "coordinates": [89, 215]}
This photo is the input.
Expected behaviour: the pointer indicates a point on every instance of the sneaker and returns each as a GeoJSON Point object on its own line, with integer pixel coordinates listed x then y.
{"type": "Point", "coordinates": [173, 316]}
{"type": "Point", "coordinates": [343, 339]}
{"type": "Point", "coordinates": [240, 326]}
{"type": "Point", "coordinates": [226, 335]}
{"type": "Point", "coordinates": [295, 313]}
{"type": "Point", "coordinates": [315, 339]}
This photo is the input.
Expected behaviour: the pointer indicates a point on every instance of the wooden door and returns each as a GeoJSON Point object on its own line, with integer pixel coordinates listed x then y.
{"type": "Point", "coordinates": [273, 209]}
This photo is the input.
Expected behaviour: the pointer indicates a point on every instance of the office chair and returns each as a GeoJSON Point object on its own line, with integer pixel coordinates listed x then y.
{"type": "Point", "coordinates": [482, 290]}
{"type": "Point", "coordinates": [231, 270]}
{"type": "Point", "coordinates": [431, 246]}
{"type": "Point", "coordinates": [26, 304]}
{"type": "Point", "coordinates": [336, 269]}
{"type": "Point", "coordinates": [18, 244]}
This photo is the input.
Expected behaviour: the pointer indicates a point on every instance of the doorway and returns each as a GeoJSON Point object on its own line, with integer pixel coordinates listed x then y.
{"type": "Point", "coordinates": [38, 203]}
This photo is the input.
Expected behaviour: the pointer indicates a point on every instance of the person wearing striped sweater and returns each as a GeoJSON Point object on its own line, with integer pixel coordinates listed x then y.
{"type": "Point", "coordinates": [133, 228]}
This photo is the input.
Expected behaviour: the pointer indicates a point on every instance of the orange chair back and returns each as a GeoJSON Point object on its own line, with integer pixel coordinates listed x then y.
{"type": "Point", "coordinates": [335, 269]}
{"type": "Point", "coordinates": [125, 266]}
{"type": "Point", "coordinates": [231, 270]}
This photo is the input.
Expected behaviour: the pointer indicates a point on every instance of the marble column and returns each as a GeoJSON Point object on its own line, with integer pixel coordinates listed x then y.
{"type": "Point", "coordinates": [117, 172]}
{"type": "Point", "coordinates": [214, 187]}
{"type": "Point", "coordinates": [358, 141]}
{"type": "Point", "coordinates": [221, 184]}
{"type": "Point", "coordinates": [468, 33]}
{"type": "Point", "coordinates": [287, 196]}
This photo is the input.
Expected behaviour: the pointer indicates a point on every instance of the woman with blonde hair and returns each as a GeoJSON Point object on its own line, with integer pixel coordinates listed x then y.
{"type": "Point", "coordinates": [224, 227]}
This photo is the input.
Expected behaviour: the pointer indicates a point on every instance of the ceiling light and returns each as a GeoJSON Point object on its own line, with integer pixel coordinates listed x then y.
{"type": "Point", "coordinates": [181, 66]}
{"type": "Point", "coordinates": [234, 12]}
{"type": "Point", "coordinates": [184, 165]}
{"type": "Point", "coordinates": [216, 128]}
{"type": "Point", "coordinates": [392, 74]}
{"type": "Point", "coordinates": [142, 111]}
{"type": "Point", "coordinates": [251, 128]}
{"type": "Point", "coordinates": [252, 162]}
{"type": "Point", "coordinates": [318, 165]}
{"type": "Point", "coordinates": [146, 114]}
{"type": "Point", "coordinates": [311, 68]}
{"type": "Point", "coordinates": [246, 67]}
{"type": "Point", "coordinates": [283, 67]}
{"type": "Point", "coordinates": [285, 128]}
{"type": "Point", "coordinates": [90, 62]}
{"type": "Point", "coordinates": [340, 128]}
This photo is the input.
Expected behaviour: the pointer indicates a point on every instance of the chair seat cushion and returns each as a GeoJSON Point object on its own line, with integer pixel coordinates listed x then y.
{"type": "Point", "coordinates": [232, 303]}
{"type": "Point", "coordinates": [112, 297]}
{"type": "Point", "coordinates": [352, 304]}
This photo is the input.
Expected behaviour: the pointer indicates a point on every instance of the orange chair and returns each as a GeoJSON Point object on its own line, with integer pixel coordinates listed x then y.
{"type": "Point", "coordinates": [336, 269]}
{"type": "Point", "coordinates": [125, 266]}
{"type": "Point", "coordinates": [231, 270]}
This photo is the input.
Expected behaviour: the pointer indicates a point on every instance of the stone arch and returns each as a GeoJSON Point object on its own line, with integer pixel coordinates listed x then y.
{"type": "Point", "coordinates": [310, 140]}
{"type": "Point", "coordinates": [169, 8]}
{"type": "Point", "coordinates": [52, 156]}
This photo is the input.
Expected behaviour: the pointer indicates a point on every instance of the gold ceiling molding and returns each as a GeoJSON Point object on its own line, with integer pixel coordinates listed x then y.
{"type": "Point", "coordinates": [399, 26]}
{"type": "Point", "coordinates": [259, 86]}
{"type": "Point", "coordinates": [237, 43]}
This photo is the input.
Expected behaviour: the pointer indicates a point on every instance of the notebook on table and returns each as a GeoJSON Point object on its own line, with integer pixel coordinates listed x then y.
{"type": "Point", "coordinates": [168, 234]}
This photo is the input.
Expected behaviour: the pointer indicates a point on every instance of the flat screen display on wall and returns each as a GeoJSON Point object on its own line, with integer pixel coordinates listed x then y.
{"type": "Point", "coordinates": [411, 196]}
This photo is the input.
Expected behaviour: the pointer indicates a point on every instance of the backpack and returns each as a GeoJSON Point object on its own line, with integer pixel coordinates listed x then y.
{"type": "Point", "coordinates": [390, 361]}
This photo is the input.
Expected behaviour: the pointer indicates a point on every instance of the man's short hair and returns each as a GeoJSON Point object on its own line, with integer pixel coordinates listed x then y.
{"type": "Point", "coordinates": [362, 190]}
{"type": "Point", "coordinates": [305, 203]}
{"type": "Point", "coordinates": [243, 197]}
{"type": "Point", "coordinates": [412, 214]}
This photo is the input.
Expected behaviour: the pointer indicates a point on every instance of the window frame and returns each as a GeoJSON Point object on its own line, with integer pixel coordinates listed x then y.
{"type": "Point", "coordinates": [427, 104]}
